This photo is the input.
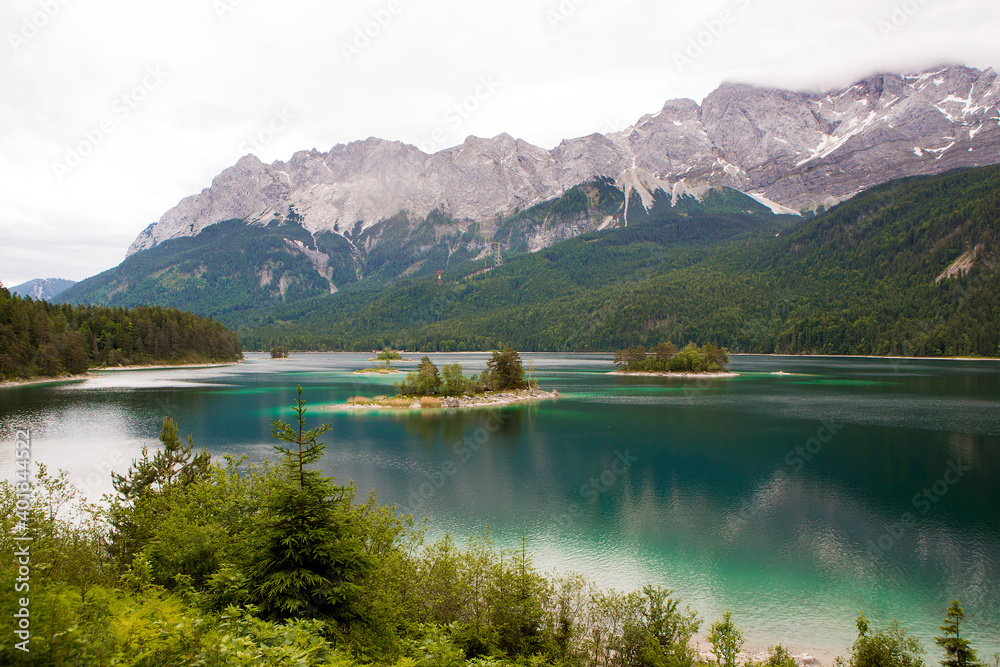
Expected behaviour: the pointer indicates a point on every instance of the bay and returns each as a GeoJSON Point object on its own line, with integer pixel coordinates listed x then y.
{"type": "Point", "coordinates": [796, 500]}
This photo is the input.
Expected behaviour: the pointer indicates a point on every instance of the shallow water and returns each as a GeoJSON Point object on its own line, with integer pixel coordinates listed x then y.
{"type": "Point", "coordinates": [797, 501]}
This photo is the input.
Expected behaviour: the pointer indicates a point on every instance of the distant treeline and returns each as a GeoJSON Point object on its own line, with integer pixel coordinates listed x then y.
{"type": "Point", "coordinates": [41, 339]}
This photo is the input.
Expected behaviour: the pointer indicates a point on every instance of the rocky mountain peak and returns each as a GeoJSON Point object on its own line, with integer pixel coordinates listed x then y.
{"type": "Point", "coordinates": [793, 149]}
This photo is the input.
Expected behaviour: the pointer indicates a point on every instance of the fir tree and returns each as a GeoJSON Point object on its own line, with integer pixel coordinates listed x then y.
{"type": "Point", "coordinates": [956, 650]}
{"type": "Point", "coordinates": [505, 370]}
{"type": "Point", "coordinates": [309, 556]}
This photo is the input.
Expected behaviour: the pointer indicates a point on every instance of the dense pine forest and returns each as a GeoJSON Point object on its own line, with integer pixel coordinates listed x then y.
{"type": "Point", "coordinates": [868, 277]}
{"type": "Point", "coordinates": [41, 339]}
{"type": "Point", "coordinates": [199, 562]}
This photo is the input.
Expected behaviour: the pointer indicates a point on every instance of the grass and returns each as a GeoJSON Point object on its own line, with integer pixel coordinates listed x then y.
{"type": "Point", "coordinates": [359, 400]}
{"type": "Point", "coordinates": [430, 402]}
{"type": "Point", "coordinates": [396, 403]}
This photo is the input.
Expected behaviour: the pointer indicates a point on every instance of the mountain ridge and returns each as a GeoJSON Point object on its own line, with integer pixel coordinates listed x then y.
{"type": "Point", "coordinates": [791, 150]}
{"type": "Point", "coordinates": [42, 288]}
{"type": "Point", "coordinates": [908, 268]}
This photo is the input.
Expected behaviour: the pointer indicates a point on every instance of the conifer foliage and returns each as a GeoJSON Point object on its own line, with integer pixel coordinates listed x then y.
{"type": "Point", "coordinates": [38, 338]}
{"type": "Point", "coordinates": [309, 557]}
{"type": "Point", "coordinates": [957, 652]}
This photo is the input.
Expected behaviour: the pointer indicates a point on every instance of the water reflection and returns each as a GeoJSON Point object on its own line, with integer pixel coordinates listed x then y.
{"type": "Point", "coordinates": [719, 500]}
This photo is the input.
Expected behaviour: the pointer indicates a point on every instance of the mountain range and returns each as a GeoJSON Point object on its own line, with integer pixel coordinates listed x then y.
{"type": "Point", "coordinates": [794, 151]}
{"type": "Point", "coordinates": [336, 230]}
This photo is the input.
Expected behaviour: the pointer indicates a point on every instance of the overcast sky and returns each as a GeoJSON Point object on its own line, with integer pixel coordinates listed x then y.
{"type": "Point", "coordinates": [111, 111]}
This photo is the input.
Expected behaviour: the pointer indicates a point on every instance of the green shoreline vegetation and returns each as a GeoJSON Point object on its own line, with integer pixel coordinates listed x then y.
{"type": "Point", "coordinates": [666, 358]}
{"type": "Point", "coordinates": [429, 385]}
{"type": "Point", "coordinates": [42, 340]}
{"type": "Point", "coordinates": [194, 561]}
{"type": "Point", "coordinates": [386, 356]}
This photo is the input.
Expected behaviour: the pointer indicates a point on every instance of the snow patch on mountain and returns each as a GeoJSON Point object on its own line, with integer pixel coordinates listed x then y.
{"type": "Point", "coordinates": [800, 151]}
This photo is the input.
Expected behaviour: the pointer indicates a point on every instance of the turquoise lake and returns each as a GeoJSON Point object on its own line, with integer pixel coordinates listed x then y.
{"type": "Point", "coordinates": [796, 500]}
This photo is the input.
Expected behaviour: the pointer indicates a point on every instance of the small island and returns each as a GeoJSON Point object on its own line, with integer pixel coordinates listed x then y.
{"type": "Point", "coordinates": [279, 352]}
{"type": "Point", "coordinates": [665, 360]}
{"type": "Point", "coordinates": [386, 356]}
{"type": "Point", "coordinates": [502, 383]}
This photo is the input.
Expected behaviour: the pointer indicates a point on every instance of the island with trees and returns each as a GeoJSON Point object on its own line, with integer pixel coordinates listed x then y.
{"type": "Point", "coordinates": [666, 360]}
{"type": "Point", "coordinates": [386, 356]}
{"type": "Point", "coordinates": [501, 383]}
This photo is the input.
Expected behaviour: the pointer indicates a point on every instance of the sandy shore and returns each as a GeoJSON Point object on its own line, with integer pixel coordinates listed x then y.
{"type": "Point", "coordinates": [91, 373]}
{"type": "Point", "coordinates": [488, 401]}
{"type": "Point", "coordinates": [668, 374]}
{"type": "Point", "coordinates": [163, 367]}
{"type": "Point", "coordinates": [65, 378]}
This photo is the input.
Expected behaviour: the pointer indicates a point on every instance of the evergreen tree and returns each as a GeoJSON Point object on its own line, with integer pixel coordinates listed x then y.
{"type": "Point", "coordinates": [956, 649]}
{"type": "Point", "coordinates": [174, 466]}
{"type": "Point", "coordinates": [308, 557]}
{"type": "Point", "coordinates": [428, 377]}
{"type": "Point", "coordinates": [505, 370]}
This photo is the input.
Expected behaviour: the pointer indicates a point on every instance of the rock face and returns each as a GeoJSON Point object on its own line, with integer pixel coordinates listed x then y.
{"type": "Point", "coordinates": [789, 150]}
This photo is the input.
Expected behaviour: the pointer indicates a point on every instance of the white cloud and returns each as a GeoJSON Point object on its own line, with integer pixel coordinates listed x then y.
{"type": "Point", "coordinates": [568, 68]}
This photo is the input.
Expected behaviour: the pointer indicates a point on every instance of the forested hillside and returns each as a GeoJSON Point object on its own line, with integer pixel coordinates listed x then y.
{"type": "Point", "coordinates": [41, 339]}
{"type": "Point", "coordinates": [238, 271]}
{"type": "Point", "coordinates": [909, 267]}
{"type": "Point", "coordinates": [227, 270]}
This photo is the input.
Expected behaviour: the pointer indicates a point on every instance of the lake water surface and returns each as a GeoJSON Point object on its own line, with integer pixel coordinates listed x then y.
{"type": "Point", "coordinates": [797, 501]}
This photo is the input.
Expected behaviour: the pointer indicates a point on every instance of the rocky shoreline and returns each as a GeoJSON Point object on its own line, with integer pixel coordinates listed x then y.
{"type": "Point", "coordinates": [491, 399]}
{"type": "Point", "coordinates": [672, 374]}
